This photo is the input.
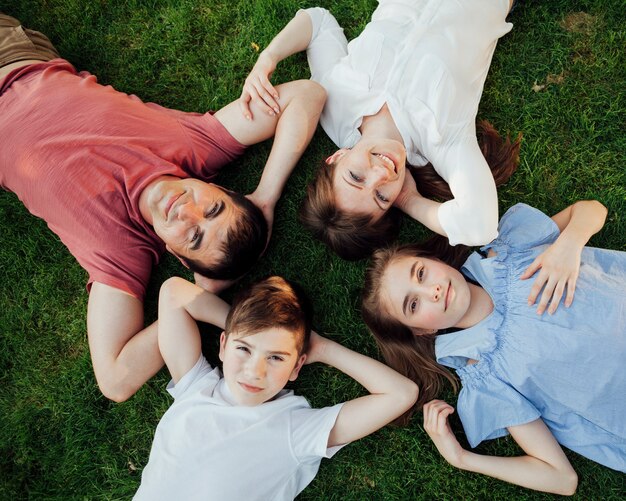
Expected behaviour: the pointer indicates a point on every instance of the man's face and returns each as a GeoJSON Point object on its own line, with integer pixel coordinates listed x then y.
{"type": "Point", "coordinates": [192, 217]}
{"type": "Point", "coordinates": [256, 367]}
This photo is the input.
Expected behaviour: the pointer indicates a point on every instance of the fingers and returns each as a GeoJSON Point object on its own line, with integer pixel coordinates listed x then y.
{"type": "Point", "coordinates": [530, 271]}
{"type": "Point", "coordinates": [538, 284]}
{"type": "Point", "coordinates": [436, 414]}
{"type": "Point", "coordinates": [571, 287]}
{"type": "Point", "coordinates": [244, 105]}
{"type": "Point", "coordinates": [556, 297]}
{"type": "Point", "coordinates": [548, 291]}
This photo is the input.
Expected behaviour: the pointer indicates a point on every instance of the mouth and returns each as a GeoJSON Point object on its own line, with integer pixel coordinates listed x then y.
{"type": "Point", "coordinates": [249, 388]}
{"type": "Point", "coordinates": [448, 294]}
{"type": "Point", "coordinates": [388, 161]}
{"type": "Point", "coordinates": [170, 203]}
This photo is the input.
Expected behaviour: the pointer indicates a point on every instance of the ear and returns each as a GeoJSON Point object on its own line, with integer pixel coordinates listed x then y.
{"type": "Point", "coordinates": [296, 370]}
{"type": "Point", "coordinates": [168, 248]}
{"type": "Point", "coordinates": [222, 345]}
{"type": "Point", "coordinates": [336, 156]}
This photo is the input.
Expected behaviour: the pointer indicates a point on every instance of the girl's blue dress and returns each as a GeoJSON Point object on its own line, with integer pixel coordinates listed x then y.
{"type": "Point", "coordinates": [567, 369]}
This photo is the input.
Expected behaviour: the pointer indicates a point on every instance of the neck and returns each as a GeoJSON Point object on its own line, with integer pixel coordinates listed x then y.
{"type": "Point", "coordinates": [480, 307]}
{"type": "Point", "coordinates": [380, 125]}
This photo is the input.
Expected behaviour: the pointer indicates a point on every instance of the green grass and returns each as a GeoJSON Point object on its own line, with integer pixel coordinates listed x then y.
{"type": "Point", "coordinates": [60, 439]}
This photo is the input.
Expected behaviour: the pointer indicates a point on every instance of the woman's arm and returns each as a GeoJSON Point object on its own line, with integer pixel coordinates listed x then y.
{"type": "Point", "coordinates": [294, 37]}
{"type": "Point", "coordinates": [559, 264]}
{"type": "Point", "coordinates": [544, 467]}
{"type": "Point", "coordinates": [181, 303]}
{"type": "Point", "coordinates": [390, 393]}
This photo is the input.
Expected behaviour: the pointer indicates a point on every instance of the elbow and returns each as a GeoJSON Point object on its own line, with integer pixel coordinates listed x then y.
{"type": "Point", "coordinates": [479, 232]}
{"type": "Point", "coordinates": [115, 392]}
{"type": "Point", "coordinates": [410, 393]}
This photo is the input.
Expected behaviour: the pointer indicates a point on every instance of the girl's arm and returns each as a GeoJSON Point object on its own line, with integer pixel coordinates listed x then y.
{"type": "Point", "coordinates": [390, 393]}
{"type": "Point", "coordinates": [181, 303]}
{"type": "Point", "coordinates": [294, 37]}
{"type": "Point", "coordinates": [559, 264]}
{"type": "Point", "coordinates": [544, 467]}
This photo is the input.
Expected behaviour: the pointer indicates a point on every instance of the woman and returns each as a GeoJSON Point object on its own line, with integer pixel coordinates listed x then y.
{"type": "Point", "coordinates": [406, 90]}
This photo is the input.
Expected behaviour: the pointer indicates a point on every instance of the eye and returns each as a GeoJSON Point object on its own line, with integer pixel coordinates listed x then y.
{"type": "Point", "coordinates": [195, 235]}
{"type": "Point", "coordinates": [277, 358]}
{"type": "Point", "coordinates": [243, 348]}
{"type": "Point", "coordinates": [420, 274]}
{"type": "Point", "coordinates": [354, 177]}
{"type": "Point", "coordinates": [413, 305]}
{"type": "Point", "coordinates": [381, 197]}
{"type": "Point", "coordinates": [213, 210]}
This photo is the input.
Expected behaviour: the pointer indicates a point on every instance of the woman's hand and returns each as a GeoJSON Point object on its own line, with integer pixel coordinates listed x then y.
{"type": "Point", "coordinates": [259, 89]}
{"type": "Point", "coordinates": [436, 424]}
{"type": "Point", "coordinates": [407, 193]}
{"type": "Point", "coordinates": [557, 268]}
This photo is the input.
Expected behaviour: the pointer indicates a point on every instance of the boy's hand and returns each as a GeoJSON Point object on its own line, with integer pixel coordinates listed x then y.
{"type": "Point", "coordinates": [259, 89]}
{"type": "Point", "coordinates": [558, 267]}
{"type": "Point", "coordinates": [317, 348]}
{"type": "Point", "coordinates": [436, 424]}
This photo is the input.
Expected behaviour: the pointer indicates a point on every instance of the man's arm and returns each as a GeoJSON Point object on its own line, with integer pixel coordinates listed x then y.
{"type": "Point", "coordinates": [391, 394]}
{"type": "Point", "coordinates": [302, 102]}
{"type": "Point", "coordinates": [124, 353]}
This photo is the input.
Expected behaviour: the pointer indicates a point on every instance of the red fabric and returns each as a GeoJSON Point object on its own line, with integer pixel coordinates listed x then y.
{"type": "Point", "coordinates": [78, 155]}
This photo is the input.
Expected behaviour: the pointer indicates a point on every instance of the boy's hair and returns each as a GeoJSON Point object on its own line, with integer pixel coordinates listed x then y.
{"type": "Point", "coordinates": [271, 303]}
{"type": "Point", "coordinates": [355, 236]}
{"type": "Point", "coordinates": [245, 242]}
{"type": "Point", "coordinates": [409, 353]}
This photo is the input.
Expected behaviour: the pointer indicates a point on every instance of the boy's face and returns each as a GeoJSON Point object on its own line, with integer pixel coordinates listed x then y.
{"type": "Point", "coordinates": [258, 366]}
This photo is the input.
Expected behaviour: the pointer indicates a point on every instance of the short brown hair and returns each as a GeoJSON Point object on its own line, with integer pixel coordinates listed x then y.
{"type": "Point", "coordinates": [270, 303]}
{"type": "Point", "coordinates": [350, 236]}
{"type": "Point", "coordinates": [245, 242]}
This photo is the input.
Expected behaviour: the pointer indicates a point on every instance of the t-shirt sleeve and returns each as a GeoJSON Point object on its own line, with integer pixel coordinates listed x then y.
{"type": "Point", "coordinates": [310, 429]}
{"type": "Point", "coordinates": [524, 227]}
{"type": "Point", "coordinates": [471, 217]}
{"type": "Point", "coordinates": [328, 43]}
{"type": "Point", "coordinates": [488, 406]}
{"type": "Point", "coordinates": [200, 376]}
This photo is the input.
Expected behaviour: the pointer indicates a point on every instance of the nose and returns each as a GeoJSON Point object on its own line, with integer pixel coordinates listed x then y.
{"type": "Point", "coordinates": [379, 174]}
{"type": "Point", "coordinates": [435, 292]}
{"type": "Point", "coordinates": [255, 368]}
{"type": "Point", "coordinates": [189, 211]}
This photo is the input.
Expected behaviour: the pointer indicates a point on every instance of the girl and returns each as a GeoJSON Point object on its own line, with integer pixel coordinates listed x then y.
{"type": "Point", "coordinates": [545, 379]}
{"type": "Point", "coordinates": [406, 89]}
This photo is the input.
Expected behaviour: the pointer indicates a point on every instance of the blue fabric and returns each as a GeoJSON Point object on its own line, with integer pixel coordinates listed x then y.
{"type": "Point", "coordinates": [567, 368]}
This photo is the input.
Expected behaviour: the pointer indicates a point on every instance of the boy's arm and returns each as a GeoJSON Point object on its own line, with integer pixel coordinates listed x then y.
{"type": "Point", "coordinates": [390, 393]}
{"type": "Point", "coordinates": [181, 303]}
{"type": "Point", "coordinates": [559, 264]}
{"type": "Point", "coordinates": [544, 467]}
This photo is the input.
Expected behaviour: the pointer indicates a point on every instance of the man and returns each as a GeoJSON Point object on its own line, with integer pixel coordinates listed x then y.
{"type": "Point", "coordinates": [111, 176]}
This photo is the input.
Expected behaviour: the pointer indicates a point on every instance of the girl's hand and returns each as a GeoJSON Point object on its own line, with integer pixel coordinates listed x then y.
{"type": "Point", "coordinates": [258, 88]}
{"type": "Point", "coordinates": [436, 424]}
{"type": "Point", "coordinates": [317, 348]}
{"type": "Point", "coordinates": [558, 268]}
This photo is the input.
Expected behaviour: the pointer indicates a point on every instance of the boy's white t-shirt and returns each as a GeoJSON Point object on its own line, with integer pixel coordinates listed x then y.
{"type": "Point", "coordinates": [207, 447]}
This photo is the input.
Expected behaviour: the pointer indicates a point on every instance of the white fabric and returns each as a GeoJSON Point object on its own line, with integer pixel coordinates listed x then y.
{"type": "Point", "coordinates": [428, 60]}
{"type": "Point", "coordinates": [207, 448]}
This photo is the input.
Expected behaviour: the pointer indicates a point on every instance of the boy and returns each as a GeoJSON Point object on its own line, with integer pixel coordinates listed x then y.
{"type": "Point", "coordinates": [242, 436]}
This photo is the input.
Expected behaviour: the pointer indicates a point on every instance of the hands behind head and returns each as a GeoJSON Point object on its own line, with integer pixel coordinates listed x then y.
{"type": "Point", "coordinates": [557, 268]}
{"type": "Point", "coordinates": [436, 424]}
{"type": "Point", "coordinates": [258, 88]}
{"type": "Point", "coordinates": [317, 348]}
{"type": "Point", "coordinates": [407, 193]}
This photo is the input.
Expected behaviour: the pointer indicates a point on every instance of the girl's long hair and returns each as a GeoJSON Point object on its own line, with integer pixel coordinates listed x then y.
{"type": "Point", "coordinates": [410, 353]}
{"type": "Point", "coordinates": [355, 236]}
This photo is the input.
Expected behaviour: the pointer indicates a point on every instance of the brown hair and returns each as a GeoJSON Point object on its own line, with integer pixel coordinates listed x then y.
{"type": "Point", "coordinates": [270, 303]}
{"type": "Point", "coordinates": [245, 242]}
{"type": "Point", "coordinates": [354, 236]}
{"type": "Point", "coordinates": [410, 353]}
{"type": "Point", "coordinates": [350, 236]}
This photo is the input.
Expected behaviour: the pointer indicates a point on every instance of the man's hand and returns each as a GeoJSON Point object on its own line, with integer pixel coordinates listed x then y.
{"type": "Point", "coordinates": [211, 284]}
{"type": "Point", "coordinates": [267, 208]}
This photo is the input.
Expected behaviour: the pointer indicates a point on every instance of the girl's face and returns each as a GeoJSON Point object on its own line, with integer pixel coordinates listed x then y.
{"type": "Point", "coordinates": [368, 178]}
{"type": "Point", "coordinates": [424, 293]}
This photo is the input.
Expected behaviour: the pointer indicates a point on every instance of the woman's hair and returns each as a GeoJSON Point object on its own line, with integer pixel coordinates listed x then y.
{"type": "Point", "coordinates": [410, 353]}
{"type": "Point", "coordinates": [354, 236]}
{"type": "Point", "coordinates": [351, 236]}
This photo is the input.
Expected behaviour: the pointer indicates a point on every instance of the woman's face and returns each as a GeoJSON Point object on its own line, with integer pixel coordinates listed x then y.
{"type": "Point", "coordinates": [368, 178]}
{"type": "Point", "coordinates": [424, 293]}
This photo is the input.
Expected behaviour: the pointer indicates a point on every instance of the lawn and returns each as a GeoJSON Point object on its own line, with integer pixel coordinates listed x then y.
{"type": "Point", "coordinates": [559, 78]}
